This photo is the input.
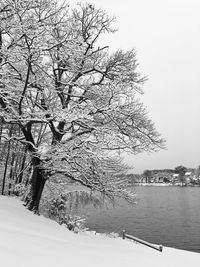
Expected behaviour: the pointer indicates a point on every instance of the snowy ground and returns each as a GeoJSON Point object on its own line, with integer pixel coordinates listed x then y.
{"type": "Point", "coordinates": [30, 240]}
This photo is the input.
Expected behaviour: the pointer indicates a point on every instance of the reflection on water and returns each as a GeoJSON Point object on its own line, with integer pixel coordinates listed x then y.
{"type": "Point", "coordinates": [162, 215]}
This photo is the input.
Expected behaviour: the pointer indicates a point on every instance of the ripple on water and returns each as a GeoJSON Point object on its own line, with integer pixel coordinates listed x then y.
{"type": "Point", "coordinates": [167, 215]}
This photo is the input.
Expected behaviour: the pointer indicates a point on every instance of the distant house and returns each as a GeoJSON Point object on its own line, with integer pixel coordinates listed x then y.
{"type": "Point", "coordinates": [175, 177]}
{"type": "Point", "coordinates": [188, 177]}
{"type": "Point", "coordinates": [162, 177]}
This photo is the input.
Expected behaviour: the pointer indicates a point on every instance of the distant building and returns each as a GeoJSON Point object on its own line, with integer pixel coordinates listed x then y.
{"type": "Point", "coordinates": [175, 177]}
{"type": "Point", "coordinates": [162, 177]}
{"type": "Point", "coordinates": [188, 177]}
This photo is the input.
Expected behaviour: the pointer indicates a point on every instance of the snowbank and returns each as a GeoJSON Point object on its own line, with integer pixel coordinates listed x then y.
{"type": "Point", "coordinates": [34, 241]}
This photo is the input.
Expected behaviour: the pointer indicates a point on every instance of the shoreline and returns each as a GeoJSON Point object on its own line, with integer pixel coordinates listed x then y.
{"type": "Point", "coordinates": [167, 184]}
{"type": "Point", "coordinates": [34, 240]}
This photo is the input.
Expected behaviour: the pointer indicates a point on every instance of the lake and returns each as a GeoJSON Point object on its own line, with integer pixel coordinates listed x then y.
{"type": "Point", "coordinates": [163, 215]}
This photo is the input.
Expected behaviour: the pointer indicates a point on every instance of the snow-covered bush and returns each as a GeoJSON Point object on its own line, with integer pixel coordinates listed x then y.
{"type": "Point", "coordinates": [64, 202]}
{"type": "Point", "coordinates": [19, 189]}
{"type": "Point", "coordinates": [74, 223]}
{"type": "Point", "coordinates": [57, 208]}
{"type": "Point", "coordinates": [59, 211]}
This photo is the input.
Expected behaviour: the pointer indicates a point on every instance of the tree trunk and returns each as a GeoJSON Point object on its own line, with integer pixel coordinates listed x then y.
{"type": "Point", "coordinates": [37, 185]}
{"type": "Point", "coordinates": [7, 160]}
{"type": "Point", "coordinates": [11, 176]}
{"type": "Point", "coordinates": [1, 129]}
{"type": "Point", "coordinates": [5, 169]}
{"type": "Point", "coordinates": [22, 165]}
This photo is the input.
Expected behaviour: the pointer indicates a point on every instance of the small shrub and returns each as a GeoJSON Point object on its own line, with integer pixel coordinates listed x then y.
{"type": "Point", "coordinates": [74, 223]}
{"type": "Point", "coordinates": [19, 189]}
{"type": "Point", "coordinates": [59, 212]}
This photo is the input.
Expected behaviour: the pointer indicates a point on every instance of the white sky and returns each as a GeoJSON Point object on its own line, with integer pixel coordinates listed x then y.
{"type": "Point", "coordinates": [166, 35]}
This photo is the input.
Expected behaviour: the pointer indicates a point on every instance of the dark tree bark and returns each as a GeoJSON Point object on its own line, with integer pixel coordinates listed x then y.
{"type": "Point", "coordinates": [37, 182]}
{"type": "Point", "coordinates": [5, 169]}
{"type": "Point", "coordinates": [22, 165]}
{"type": "Point", "coordinates": [1, 129]}
{"type": "Point", "coordinates": [11, 175]}
{"type": "Point", "coordinates": [38, 179]}
{"type": "Point", "coordinates": [7, 160]}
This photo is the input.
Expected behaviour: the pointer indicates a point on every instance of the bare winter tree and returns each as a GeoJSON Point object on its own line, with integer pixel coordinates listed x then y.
{"type": "Point", "coordinates": [54, 76]}
{"type": "Point", "coordinates": [181, 170]}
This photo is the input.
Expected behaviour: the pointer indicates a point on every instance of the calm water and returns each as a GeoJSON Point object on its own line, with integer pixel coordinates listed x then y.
{"type": "Point", "coordinates": [163, 215]}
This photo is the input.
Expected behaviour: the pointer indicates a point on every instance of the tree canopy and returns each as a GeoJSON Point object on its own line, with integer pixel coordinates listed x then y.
{"type": "Point", "coordinates": [76, 104]}
{"type": "Point", "coordinates": [181, 170]}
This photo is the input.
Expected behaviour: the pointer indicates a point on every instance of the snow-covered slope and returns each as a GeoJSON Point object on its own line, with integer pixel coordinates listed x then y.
{"type": "Point", "coordinates": [34, 241]}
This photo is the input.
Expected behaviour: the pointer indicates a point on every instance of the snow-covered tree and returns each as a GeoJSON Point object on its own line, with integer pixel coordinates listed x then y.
{"type": "Point", "coordinates": [54, 76]}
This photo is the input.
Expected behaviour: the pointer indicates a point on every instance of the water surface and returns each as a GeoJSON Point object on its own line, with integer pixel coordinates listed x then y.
{"type": "Point", "coordinates": [163, 215]}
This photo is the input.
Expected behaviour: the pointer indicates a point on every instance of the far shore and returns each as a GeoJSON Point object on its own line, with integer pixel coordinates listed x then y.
{"type": "Point", "coordinates": [166, 184]}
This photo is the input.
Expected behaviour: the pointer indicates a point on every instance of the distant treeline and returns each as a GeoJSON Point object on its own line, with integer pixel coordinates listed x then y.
{"type": "Point", "coordinates": [149, 173]}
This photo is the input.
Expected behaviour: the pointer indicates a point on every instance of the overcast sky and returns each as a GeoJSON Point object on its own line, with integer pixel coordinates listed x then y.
{"type": "Point", "coordinates": [166, 36]}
